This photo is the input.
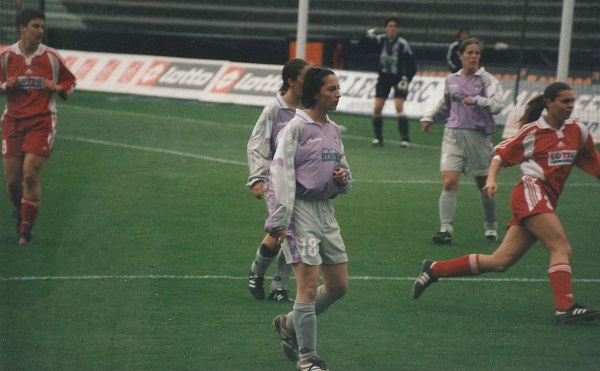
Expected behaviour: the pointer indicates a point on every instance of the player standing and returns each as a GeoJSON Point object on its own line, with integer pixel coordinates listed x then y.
{"type": "Point", "coordinates": [261, 148]}
{"type": "Point", "coordinates": [396, 70]}
{"type": "Point", "coordinates": [471, 97]}
{"type": "Point", "coordinates": [452, 56]}
{"type": "Point", "coordinates": [31, 73]}
{"type": "Point", "coordinates": [308, 170]}
{"type": "Point", "coordinates": [546, 149]}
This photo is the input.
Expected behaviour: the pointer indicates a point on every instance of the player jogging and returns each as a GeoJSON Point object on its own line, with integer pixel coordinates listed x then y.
{"type": "Point", "coordinates": [31, 75]}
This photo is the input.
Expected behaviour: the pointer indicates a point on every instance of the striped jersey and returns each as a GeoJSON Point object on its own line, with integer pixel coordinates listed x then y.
{"type": "Point", "coordinates": [549, 154]}
{"type": "Point", "coordinates": [30, 98]}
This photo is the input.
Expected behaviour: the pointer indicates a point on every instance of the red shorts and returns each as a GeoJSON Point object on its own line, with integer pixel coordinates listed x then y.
{"type": "Point", "coordinates": [31, 135]}
{"type": "Point", "coordinates": [530, 197]}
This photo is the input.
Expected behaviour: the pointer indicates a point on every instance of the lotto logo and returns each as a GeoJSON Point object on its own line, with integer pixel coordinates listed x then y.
{"type": "Point", "coordinates": [153, 73]}
{"type": "Point", "coordinates": [561, 157]}
{"type": "Point", "coordinates": [228, 79]}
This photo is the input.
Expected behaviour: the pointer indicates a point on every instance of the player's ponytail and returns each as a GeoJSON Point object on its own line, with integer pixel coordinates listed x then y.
{"type": "Point", "coordinates": [537, 104]}
{"type": "Point", "coordinates": [291, 70]}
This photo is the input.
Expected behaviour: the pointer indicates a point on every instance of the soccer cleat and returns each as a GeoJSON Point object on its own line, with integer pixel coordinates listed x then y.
{"type": "Point", "coordinates": [25, 239]}
{"type": "Point", "coordinates": [491, 235]}
{"type": "Point", "coordinates": [289, 344]}
{"type": "Point", "coordinates": [405, 144]}
{"type": "Point", "coordinates": [577, 313]}
{"type": "Point", "coordinates": [424, 280]}
{"type": "Point", "coordinates": [281, 296]}
{"type": "Point", "coordinates": [256, 285]}
{"type": "Point", "coordinates": [312, 364]}
{"type": "Point", "coordinates": [377, 142]}
{"type": "Point", "coordinates": [442, 238]}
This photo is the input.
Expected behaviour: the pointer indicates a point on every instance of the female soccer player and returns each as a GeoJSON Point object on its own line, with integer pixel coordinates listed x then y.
{"type": "Point", "coordinates": [546, 148]}
{"type": "Point", "coordinates": [261, 148]}
{"type": "Point", "coordinates": [471, 97]}
{"type": "Point", "coordinates": [31, 73]}
{"type": "Point", "coordinates": [308, 170]}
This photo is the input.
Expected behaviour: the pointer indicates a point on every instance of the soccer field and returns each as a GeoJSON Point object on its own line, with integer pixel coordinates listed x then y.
{"type": "Point", "coordinates": [146, 234]}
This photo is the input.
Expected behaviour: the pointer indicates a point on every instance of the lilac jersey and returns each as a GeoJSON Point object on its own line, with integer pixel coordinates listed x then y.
{"type": "Point", "coordinates": [483, 88]}
{"type": "Point", "coordinates": [307, 155]}
{"type": "Point", "coordinates": [261, 145]}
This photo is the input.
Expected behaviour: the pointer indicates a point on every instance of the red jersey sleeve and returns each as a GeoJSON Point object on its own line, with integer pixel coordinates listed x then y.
{"type": "Point", "coordinates": [512, 150]}
{"type": "Point", "coordinates": [588, 159]}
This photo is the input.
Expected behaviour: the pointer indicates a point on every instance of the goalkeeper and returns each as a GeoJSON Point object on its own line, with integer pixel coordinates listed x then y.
{"type": "Point", "coordinates": [396, 70]}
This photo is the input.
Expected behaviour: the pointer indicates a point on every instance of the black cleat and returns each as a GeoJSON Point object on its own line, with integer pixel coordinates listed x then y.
{"type": "Point", "coordinates": [424, 280]}
{"type": "Point", "coordinates": [577, 313]}
{"type": "Point", "coordinates": [442, 238]}
{"type": "Point", "coordinates": [280, 296]}
{"type": "Point", "coordinates": [256, 285]}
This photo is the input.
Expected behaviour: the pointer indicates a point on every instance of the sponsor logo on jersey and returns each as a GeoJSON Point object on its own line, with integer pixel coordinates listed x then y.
{"type": "Point", "coordinates": [557, 158]}
{"type": "Point", "coordinates": [31, 82]}
{"type": "Point", "coordinates": [314, 140]}
{"type": "Point", "coordinates": [330, 155]}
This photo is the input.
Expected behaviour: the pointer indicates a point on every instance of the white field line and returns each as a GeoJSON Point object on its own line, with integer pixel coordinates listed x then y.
{"type": "Point", "coordinates": [227, 278]}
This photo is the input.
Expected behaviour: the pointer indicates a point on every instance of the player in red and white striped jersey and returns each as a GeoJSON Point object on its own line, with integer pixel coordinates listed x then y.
{"type": "Point", "coordinates": [31, 73]}
{"type": "Point", "coordinates": [546, 148]}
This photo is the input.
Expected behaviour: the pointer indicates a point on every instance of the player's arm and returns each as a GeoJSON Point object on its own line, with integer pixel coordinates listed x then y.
{"type": "Point", "coordinates": [440, 112]}
{"type": "Point", "coordinates": [491, 186]}
{"type": "Point", "coordinates": [588, 158]}
{"type": "Point", "coordinates": [494, 99]}
{"type": "Point", "coordinates": [8, 85]}
{"type": "Point", "coordinates": [259, 152]}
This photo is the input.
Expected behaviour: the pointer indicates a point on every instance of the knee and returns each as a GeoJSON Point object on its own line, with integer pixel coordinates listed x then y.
{"type": "Point", "coordinates": [30, 182]}
{"type": "Point", "coordinates": [13, 186]}
{"type": "Point", "coordinates": [450, 185]}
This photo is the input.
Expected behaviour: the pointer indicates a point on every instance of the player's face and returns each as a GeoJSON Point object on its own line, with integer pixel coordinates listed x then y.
{"type": "Point", "coordinates": [391, 29]}
{"type": "Point", "coordinates": [562, 107]}
{"type": "Point", "coordinates": [470, 57]}
{"type": "Point", "coordinates": [34, 32]}
{"type": "Point", "coordinates": [329, 96]}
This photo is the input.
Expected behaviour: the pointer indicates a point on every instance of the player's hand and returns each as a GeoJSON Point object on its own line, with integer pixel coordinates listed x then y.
{"type": "Point", "coordinates": [371, 32]}
{"type": "Point", "coordinates": [279, 235]}
{"type": "Point", "coordinates": [426, 126]}
{"type": "Point", "coordinates": [50, 85]}
{"type": "Point", "coordinates": [10, 83]}
{"type": "Point", "coordinates": [339, 176]}
{"type": "Point", "coordinates": [257, 189]}
{"type": "Point", "coordinates": [490, 189]}
{"type": "Point", "coordinates": [403, 85]}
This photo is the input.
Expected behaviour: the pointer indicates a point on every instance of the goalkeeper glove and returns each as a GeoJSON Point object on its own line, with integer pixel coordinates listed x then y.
{"type": "Point", "coordinates": [403, 85]}
{"type": "Point", "coordinates": [371, 32]}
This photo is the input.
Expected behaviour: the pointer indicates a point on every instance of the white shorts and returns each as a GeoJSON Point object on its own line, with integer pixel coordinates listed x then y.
{"type": "Point", "coordinates": [466, 151]}
{"type": "Point", "coordinates": [313, 235]}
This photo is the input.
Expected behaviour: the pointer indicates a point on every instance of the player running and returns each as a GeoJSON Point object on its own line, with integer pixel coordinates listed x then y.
{"type": "Point", "coordinates": [546, 148]}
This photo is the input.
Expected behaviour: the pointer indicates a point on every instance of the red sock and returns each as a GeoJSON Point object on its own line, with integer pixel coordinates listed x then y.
{"type": "Point", "coordinates": [29, 212]}
{"type": "Point", "coordinates": [561, 280]}
{"type": "Point", "coordinates": [468, 265]}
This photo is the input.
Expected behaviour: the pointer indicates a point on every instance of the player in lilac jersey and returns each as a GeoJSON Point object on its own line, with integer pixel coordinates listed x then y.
{"type": "Point", "coordinates": [261, 148]}
{"type": "Point", "coordinates": [308, 170]}
{"type": "Point", "coordinates": [471, 97]}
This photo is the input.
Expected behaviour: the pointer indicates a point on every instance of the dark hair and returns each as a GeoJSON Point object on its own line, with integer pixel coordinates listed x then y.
{"type": "Point", "coordinates": [391, 18]}
{"type": "Point", "coordinates": [461, 30]}
{"type": "Point", "coordinates": [537, 104]}
{"type": "Point", "coordinates": [28, 14]}
{"type": "Point", "coordinates": [313, 82]}
{"type": "Point", "coordinates": [291, 70]}
{"type": "Point", "coordinates": [467, 42]}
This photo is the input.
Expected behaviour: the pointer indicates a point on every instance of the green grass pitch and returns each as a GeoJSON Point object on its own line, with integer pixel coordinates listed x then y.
{"type": "Point", "coordinates": [147, 231]}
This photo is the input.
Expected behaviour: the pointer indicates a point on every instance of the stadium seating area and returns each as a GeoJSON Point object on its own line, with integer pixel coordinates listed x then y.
{"type": "Point", "coordinates": [260, 31]}
{"type": "Point", "coordinates": [424, 21]}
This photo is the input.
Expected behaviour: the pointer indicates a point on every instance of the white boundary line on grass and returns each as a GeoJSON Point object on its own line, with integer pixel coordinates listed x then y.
{"type": "Point", "coordinates": [207, 277]}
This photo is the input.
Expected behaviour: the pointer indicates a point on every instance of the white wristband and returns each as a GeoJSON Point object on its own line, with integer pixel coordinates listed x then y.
{"type": "Point", "coordinates": [4, 86]}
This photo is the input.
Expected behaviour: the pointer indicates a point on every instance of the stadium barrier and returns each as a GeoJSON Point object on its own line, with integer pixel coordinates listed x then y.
{"type": "Point", "coordinates": [256, 84]}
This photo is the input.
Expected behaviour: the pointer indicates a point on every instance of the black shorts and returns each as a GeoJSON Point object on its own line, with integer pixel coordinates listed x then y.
{"type": "Point", "coordinates": [385, 82]}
